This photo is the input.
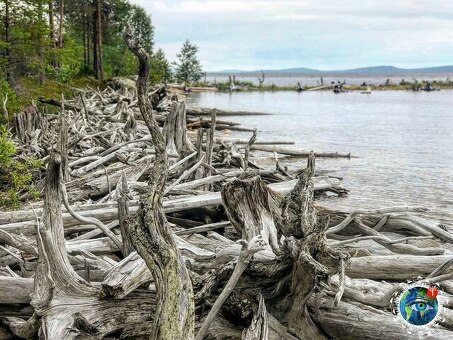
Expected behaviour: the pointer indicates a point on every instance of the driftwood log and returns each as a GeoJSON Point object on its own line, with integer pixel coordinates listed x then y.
{"type": "Point", "coordinates": [150, 230]}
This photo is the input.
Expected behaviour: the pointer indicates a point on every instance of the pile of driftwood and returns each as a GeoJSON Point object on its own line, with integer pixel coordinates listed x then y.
{"type": "Point", "coordinates": [149, 230]}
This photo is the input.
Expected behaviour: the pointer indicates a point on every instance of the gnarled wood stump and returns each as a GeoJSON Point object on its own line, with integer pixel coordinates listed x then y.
{"type": "Point", "coordinates": [152, 236]}
{"type": "Point", "coordinates": [65, 305]}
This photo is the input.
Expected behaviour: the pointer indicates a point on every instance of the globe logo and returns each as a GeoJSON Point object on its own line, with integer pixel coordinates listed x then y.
{"type": "Point", "coordinates": [419, 305]}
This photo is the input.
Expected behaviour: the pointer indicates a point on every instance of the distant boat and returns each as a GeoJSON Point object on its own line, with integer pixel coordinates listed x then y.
{"type": "Point", "coordinates": [368, 90]}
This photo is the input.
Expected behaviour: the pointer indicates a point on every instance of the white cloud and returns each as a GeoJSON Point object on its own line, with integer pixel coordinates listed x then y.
{"type": "Point", "coordinates": [258, 34]}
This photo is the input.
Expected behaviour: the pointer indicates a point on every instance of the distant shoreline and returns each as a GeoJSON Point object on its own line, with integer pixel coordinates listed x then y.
{"type": "Point", "coordinates": [244, 86]}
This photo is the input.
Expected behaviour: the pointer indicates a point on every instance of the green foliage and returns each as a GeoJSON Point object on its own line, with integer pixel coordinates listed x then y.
{"type": "Point", "coordinates": [70, 60]}
{"type": "Point", "coordinates": [188, 69]}
{"type": "Point", "coordinates": [27, 47]}
{"type": "Point", "coordinates": [16, 177]}
{"type": "Point", "coordinates": [30, 47]}
{"type": "Point", "coordinates": [160, 68]}
{"type": "Point", "coordinates": [12, 101]}
{"type": "Point", "coordinates": [140, 22]}
{"type": "Point", "coordinates": [7, 147]}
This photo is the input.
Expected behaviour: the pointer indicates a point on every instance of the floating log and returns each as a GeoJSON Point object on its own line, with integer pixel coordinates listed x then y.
{"type": "Point", "coordinates": [202, 111]}
{"type": "Point", "coordinates": [298, 153]}
{"type": "Point", "coordinates": [258, 142]}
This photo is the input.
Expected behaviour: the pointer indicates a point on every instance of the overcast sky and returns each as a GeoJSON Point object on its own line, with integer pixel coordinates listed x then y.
{"type": "Point", "coordinates": [323, 34]}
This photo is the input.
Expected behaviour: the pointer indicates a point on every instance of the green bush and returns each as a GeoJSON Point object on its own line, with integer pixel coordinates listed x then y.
{"type": "Point", "coordinates": [16, 177]}
{"type": "Point", "coordinates": [12, 104]}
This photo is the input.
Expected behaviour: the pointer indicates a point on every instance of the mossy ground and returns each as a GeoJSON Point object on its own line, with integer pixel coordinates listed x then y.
{"type": "Point", "coordinates": [29, 89]}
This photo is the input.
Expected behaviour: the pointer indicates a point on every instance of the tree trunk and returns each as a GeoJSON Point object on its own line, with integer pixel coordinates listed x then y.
{"type": "Point", "coordinates": [152, 236]}
{"type": "Point", "coordinates": [313, 260]}
{"type": "Point", "coordinates": [87, 37]}
{"type": "Point", "coordinates": [52, 32]}
{"type": "Point", "coordinates": [41, 46]}
{"type": "Point", "coordinates": [122, 191]}
{"type": "Point", "coordinates": [97, 40]}
{"type": "Point", "coordinates": [63, 142]}
{"type": "Point", "coordinates": [60, 40]}
{"type": "Point", "coordinates": [84, 34]}
{"type": "Point", "coordinates": [9, 77]}
{"type": "Point", "coordinates": [175, 130]}
{"type": "Point", "coordinates": [259, 328]}
{"type": "Point", "coordinates": [250, 206]}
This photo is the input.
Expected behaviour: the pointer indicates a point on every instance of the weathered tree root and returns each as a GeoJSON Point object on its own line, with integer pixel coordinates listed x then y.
{"type": "Point", "coordinates": [152, 236]}
{"type": "Point", "coordinates": [65, 305]}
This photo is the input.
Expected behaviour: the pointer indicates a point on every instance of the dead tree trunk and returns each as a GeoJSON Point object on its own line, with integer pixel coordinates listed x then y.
{"type": "Point", "coordinates": [30, 125]}
{"type": "Point", "coordinates": [313, 260]}
{"type": "Point", "coordinates": [65, 305]}
{"type": "Point", "coordinates": [63, 142]}
{"type": "Point", "coordinates": [261, 79]}
{"type": "Point", "coordinates": [122, 191]}
{"type": "Point", "coordinates": [55, 279]}
{"type": "Point", "coordinates": [210, 144]}
{"type": "Point", "coordinates": [259, 328]}
{"type": "Point", "coordinates": [152, 236]}
{"type": "Point", "coordinates": [250, 206]}
{"type": "Point", "coordinates": [175, 130]}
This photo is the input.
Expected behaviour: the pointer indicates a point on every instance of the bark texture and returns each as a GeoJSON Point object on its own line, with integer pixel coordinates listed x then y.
{"type": "Point", "coordinates": [152, 236]}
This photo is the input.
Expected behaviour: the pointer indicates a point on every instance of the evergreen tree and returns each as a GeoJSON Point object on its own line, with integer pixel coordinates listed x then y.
{"type": "Point", "coordinates": [160, 68]}
{"type": "Point", "coordinates": [63, 40]}
{"type": "Point", "coordinates": [25, 46]}
{"type": "Point", "coordinates": [142, 27]}
{"type": "Point", "coordinates": [188, 69]}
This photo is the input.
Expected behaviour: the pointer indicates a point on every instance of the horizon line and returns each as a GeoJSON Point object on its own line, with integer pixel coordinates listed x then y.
{"type": "Point", "coordinates": [331, 70]}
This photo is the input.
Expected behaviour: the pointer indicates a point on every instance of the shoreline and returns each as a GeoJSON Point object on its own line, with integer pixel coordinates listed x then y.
{"type": "Point", "coordinates": [250, 87]}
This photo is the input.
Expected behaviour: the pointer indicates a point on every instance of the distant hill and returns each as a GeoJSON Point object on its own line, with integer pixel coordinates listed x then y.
{"type": "Point", "coordinates": [393, 69]}
{"type": "Point", "coordinates": [362, 70]}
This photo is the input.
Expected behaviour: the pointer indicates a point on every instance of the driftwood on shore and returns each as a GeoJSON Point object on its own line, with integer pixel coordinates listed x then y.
{"type": "Point", "coordinates": [202, 111]}
{"type": "Point", "coordinates": [297, 153]}
{"type": "Point", "coordinates": [149, 231]}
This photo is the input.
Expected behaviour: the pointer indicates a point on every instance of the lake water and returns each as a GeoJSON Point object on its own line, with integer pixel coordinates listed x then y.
{"type": "Point", "coordinates": [403, 141]}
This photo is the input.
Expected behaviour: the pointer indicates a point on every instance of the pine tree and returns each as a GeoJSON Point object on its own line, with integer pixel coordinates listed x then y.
{"type": "Point", "coordinates": [160, 68]}
{"type": "Point", "coordinates": [143, 29]}
{"type": "Point", "coordinates": [188, 69]}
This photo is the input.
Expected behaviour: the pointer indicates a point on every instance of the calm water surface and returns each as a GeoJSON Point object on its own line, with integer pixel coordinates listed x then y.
{"type": "Point", "coordinates": [403, 141]}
